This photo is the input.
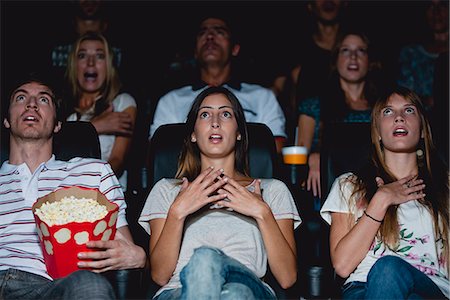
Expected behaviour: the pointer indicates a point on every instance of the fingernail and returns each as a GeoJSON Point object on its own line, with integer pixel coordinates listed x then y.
{"type": "Point", "coordinates": [221, 170]}
{"type": "Point", "coordinates": [80, 255]}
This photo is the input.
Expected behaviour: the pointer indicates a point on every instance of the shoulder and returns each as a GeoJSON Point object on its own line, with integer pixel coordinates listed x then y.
{"type": "Point", "coordinates": [250, 88]}
{"type": "Point", "coordinates": [79, 163]}
{"type": "Point", "coordinates": [273, 184]}
{"type": "Point", "coordinates": [123, 101]}
{"type": "Point", "coordinates": [168, 184]}
{"type": "Point", "coordinates": [183, 92]}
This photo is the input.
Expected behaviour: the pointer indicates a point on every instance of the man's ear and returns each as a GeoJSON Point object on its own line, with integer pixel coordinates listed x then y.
{"type": "Point", "coordinates": [6, 123]}
{"type": "Point", "coordinates": [235, 50]}
{"type": "Point", "coordinates": [57, 127]}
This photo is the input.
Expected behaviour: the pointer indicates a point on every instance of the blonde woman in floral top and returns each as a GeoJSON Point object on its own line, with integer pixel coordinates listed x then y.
{"type": "Point", "coordinates": [389, 221]}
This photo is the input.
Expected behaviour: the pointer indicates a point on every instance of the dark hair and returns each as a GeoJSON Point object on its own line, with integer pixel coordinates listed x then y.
{"type": "Point", "coordinates": [40, 78]}
{"type": "Point", "coordinates": [189, 165]}
{"type": "Point", "coordinates": [230, 22]}
{"type": "Point", "coordinates": [334, 107]}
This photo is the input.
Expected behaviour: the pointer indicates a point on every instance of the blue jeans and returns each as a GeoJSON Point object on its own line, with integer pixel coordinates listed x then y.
{"type": "Point", "coordinates": [16, 284]}
{"type": "Point", "coordinates": [210, 274]}
{"type": "Point", "coordinates": [393, 278]}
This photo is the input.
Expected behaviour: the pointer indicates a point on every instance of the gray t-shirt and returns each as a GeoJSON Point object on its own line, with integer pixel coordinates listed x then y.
{"type": "Point", "coordinates": [238, 236]}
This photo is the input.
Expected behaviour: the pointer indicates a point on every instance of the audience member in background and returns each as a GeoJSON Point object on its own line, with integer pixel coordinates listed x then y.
{"type": "Point", "coordinates": [350, 93]}
{"type": "Point", "coordinates": [389, 222]}
{"type": "Point", "coordinates": [88, 16]}
{"type": "Point", "coordinates": [96, 97]}
{"type": "Point", "coordinates": [212, 231]}
{"type": "Point", "coordinates": [215, 47]}
{"type": "Point", "coordinates": [417, 61]}
{"type": "Point", "coordinates": [305, 77]}
{"type": "Point", "coordinates": [32, 172]}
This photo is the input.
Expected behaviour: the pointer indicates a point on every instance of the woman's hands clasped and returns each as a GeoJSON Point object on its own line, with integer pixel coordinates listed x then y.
{"type": "Point", "coordinates": [240, 199]}
{"type": "Point", "coordinates": [196, 194]}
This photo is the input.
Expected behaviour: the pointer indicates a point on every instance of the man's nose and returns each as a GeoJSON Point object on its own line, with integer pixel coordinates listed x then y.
{"type": "Point", "coordinates": [32, 104]}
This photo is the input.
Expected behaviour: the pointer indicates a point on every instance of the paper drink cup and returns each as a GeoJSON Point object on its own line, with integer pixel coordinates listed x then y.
{"type": "Point", "coordinates": [62, 243]}
{"type": "Point", "coordinates": [295, 155]}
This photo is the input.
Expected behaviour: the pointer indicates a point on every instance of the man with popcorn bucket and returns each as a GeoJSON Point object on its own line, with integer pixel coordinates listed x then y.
{"type": "Point", "coordinates": [32, 262]}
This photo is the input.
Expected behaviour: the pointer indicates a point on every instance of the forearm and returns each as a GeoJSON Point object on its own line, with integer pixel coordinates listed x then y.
{"type": "Point", "coordinates": [281, 250]}
{"type": "Point", "coordinates": [353, 247]}
{"type": "Point", "coordinates": [164, 254]}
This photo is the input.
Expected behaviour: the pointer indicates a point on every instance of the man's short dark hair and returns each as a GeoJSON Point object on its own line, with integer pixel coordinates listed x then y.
{"type": "Point", "coordinates": [41, 78]}
{"type": "Point", "coordinates": [228, 19]}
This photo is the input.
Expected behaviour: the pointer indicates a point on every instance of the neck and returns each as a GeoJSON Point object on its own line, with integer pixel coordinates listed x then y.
{"type": "Point", "coordinates": [87, 100]}
{"type": "Point", "coordinates": [33, 153]}
{"type": "Point", "coordinates": [353, 90]}
{"type": "Point", "coordinates": [216, 75]}
{"type": "Point", "coordinates": [401, 164]}
{"type": "Point", "coordinates": [326, 35]}
{"type": "Point", "coordinates": [225, 163]}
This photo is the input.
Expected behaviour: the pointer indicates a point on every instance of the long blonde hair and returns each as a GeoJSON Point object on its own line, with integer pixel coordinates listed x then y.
{"type": "Point", "coordinates": [431, 169]}
{"type": "Point", "coordinates": [111, 86]}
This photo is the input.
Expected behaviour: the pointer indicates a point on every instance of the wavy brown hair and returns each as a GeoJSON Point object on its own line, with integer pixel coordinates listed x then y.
{"type": "Point", "coordinates": [189, 164]}
{"type": "Point", "coordinates": [111, 86]}
{"type": "Point", "coordinates": [431, 169]}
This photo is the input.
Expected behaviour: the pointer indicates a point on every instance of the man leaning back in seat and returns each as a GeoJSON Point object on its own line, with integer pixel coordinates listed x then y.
{"type": "Point", "coordinates": [32, 172]}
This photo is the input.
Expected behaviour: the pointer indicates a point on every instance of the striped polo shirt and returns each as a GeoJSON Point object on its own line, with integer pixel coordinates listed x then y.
{"type": "Point", "coordinates": [19, 189]}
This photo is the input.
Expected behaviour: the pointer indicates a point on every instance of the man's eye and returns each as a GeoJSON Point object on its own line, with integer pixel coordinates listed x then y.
{"type": "Point", "coordinates": [201, 32]}
{"type": "Point", "coordinates": [44, 100]}
{"type": "Point", "coordinates": [387, 112]}
{"type": "Point", "coordinates": [20, 98]}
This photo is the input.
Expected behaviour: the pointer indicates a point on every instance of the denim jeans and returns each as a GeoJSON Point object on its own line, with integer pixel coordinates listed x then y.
{"type": "Point", "coordinates": [16, 284]}
{"type": "Point", "coordinates": [393, 278]}
{"type": "Point", "coordinates": [210, 274]}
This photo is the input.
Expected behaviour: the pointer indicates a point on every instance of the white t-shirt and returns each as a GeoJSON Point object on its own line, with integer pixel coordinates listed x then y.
{"type": "Point", "coordinates": [418, 244]}
{"type": "Point", "coordinates": [259, 104]}
{"type": "Point", "coordinates": [120, 103]}
{"type": "Point", "coordinates": [236, 235]}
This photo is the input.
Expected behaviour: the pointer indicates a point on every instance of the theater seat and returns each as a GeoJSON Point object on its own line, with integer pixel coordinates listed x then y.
{"type": "Point", "coordinates": [346, 147]}
{"type": "Point", "coordinates": [76, 139]}
{"type": "Point", "coordinates": [165, 147]}
{"type": "Point", "coordinates": [167, 140]}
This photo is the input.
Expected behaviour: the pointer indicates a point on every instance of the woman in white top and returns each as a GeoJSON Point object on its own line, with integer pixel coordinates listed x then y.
{"type": "Point", "coordinates": [389, 221]}
{"type": "Point", "coordinates": [213, 228]}
{"type": "Point", "coordinates": [95, 87]}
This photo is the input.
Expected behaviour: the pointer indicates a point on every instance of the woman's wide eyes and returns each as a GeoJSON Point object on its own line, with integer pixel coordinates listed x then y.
{"type": "Point", "coordinates": [387, 112]}
{"type": "Point", "coordinates": [204, 115]}
{"type": "Point", "coordinates": [227, 114]}
{"type": "Point", "coordinates": [410, 110]}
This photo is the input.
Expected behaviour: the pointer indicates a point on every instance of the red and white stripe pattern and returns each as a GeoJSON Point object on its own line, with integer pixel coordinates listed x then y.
{"type": "Point", "coordinates": [19, 189]}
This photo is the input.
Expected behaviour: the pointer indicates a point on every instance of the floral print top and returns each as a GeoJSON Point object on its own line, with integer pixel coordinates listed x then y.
{"type": "Point", "coordinates": [418, 244]}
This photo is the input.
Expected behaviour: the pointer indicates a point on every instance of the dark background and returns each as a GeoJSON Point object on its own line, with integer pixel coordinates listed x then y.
{"type": "Point", "coordinates": [151, 33]}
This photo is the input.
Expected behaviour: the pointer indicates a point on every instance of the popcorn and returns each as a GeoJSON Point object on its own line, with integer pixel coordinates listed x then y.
{"type": "Point", "coordinates": [71, 209]}
{"type": "Point", "coordinates": [66, 220]}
